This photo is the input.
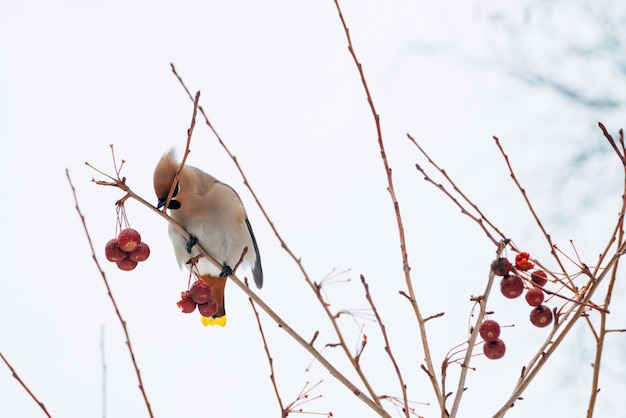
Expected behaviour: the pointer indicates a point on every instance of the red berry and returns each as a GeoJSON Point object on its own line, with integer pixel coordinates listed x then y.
{"type": "Point", "coordinates": [494, 349]}
{"type": "Point", "coordinates": [522, 261]}
{"type": "Point", "coordinates": [511, 286]}
{"type": "Point", "coordinates": [501, 266]}
{"type": "Point", "coordinates": [126, 264]}
{"type": "Point", "coordinates": [113, 252]}
{"type": "Point", "coordinates": [489, 330]}
{"type": "Point", "coordinates": [208, 309]}
{"type": "Point", "coordinates": [539, 277]}
{"type": "Point", "coordinates": [534, 296]}
{"type": "Point", "coordinates": [541, 316]}
{"type": "Point", "coordinates": [185, 303]}
{"type": "Point", "coordinates": [141, 253]}
{"type": "Point", "coordinates": [128, 239]}
{"type": "Point", "coordinates": [200, 292]}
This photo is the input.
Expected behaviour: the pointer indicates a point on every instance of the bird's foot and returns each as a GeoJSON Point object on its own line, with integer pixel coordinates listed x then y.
{"type": "Point", "coordinates": [226, 270]}
{"type": "Point", "coordinates": [193, 240]}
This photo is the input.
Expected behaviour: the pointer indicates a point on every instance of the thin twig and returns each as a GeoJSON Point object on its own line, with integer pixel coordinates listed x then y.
{"type": "Point", "coordinates": [532, 210]}
{"type": "Point", "coordinates": [270, 360]}
{"type": "Point", "coordinates": [106, 283]}
{"type": "Point", "coordinates": [104, 373]}
{"type": "Point", "coordinates": [187, 151]}
{"type": "Point", "coordinates": [464, 211]}
{"type": "Point", "coordinates": [608, 136]}
{"type": "Point", "coordinates": [383, 331]}
{"type": "Point", "coordinates": [620, 221]}
{"type": "Point", "coordinates": [478, 219]}
{"type": "Point", "coordinates": [390, 187]}
{"type": "Point", "coordinates": [472, 341]}
{"type": "Point", "coordinates": [302, 398]}
{"type": "Point", "coordinates": [21, 382]}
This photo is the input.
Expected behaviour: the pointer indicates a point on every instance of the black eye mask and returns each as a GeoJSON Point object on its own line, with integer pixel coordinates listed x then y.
{"type": "Point", "coordinates": [174, 204]}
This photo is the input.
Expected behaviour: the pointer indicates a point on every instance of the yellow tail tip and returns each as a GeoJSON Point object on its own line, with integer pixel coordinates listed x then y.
{"type": "Point", "coordinates": [209, 321]}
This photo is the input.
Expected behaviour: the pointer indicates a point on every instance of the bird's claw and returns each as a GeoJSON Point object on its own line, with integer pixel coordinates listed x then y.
{"type": "Point", "coordinates": [193, 240]}
{"type": "Point", "coordinates": [226, 270]}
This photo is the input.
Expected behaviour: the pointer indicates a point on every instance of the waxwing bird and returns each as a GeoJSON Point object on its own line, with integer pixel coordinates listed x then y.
{"type": "Point", "coordinates": [212, 213]}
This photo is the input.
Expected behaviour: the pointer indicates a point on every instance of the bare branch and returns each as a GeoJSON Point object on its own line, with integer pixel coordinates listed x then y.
{"type": "Point", "coordinates": [21, 382]}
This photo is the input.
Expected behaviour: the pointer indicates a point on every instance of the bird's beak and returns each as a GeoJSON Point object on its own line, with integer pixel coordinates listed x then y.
{"type": "Point", "coordinates": [174, 204]}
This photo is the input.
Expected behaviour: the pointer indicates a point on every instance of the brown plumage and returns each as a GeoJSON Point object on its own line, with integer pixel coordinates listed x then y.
{"type": "Point", "coordinates": [212, 213]}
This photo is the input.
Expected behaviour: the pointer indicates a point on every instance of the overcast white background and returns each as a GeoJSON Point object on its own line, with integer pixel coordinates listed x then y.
{"type": "Point", "coordinates": [279, 85]}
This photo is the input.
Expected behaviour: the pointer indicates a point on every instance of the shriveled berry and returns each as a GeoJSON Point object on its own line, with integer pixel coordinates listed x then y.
{"type": "Point", "coordinates": [489, 330]}
{"type": "Point", "coordinates": [200, 292]}
{"type": "Point", "coordinates": [511, 286]}
{"type": "Point", "coordinates": [539, 277]}
{"type": "Point", "coordinates": [494, 349]}
{"type": "Point", "coordinates": [208, 309]}
{"type": "Point", "coordinates": [186, 304]}
{"type": "Point", "coordinates": [128, 239]}
{"type": "Point", "coordinates": [141, 253]}
{"type": "Point", "coordinates": [522, 262]}
{"type": "Point", "coordinates": [126, 264]}
{"type": "Point", "coordinates": [113, 252]}
{"type": "Point", "coordinates": [534, 296]}
{"type": "Point", "coordinates": [541, 316]}
{"type": "Point", "coordinates": [501, 266]}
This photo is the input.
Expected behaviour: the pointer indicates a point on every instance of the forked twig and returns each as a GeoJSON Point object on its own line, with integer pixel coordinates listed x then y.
{"type": "Point", "coordinates": [302, 398]}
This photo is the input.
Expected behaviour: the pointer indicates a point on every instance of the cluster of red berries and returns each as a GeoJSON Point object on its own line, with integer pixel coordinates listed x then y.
{"type": "Point", "coordinates": [127, 250]}
{"type": "Point", "coordinates": [512, 286]}
{"type": "Point", "coordinates": [200, 295]}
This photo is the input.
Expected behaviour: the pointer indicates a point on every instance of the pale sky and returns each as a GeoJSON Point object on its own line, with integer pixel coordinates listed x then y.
{"type": "Point", "coordinates": [279, 85]}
